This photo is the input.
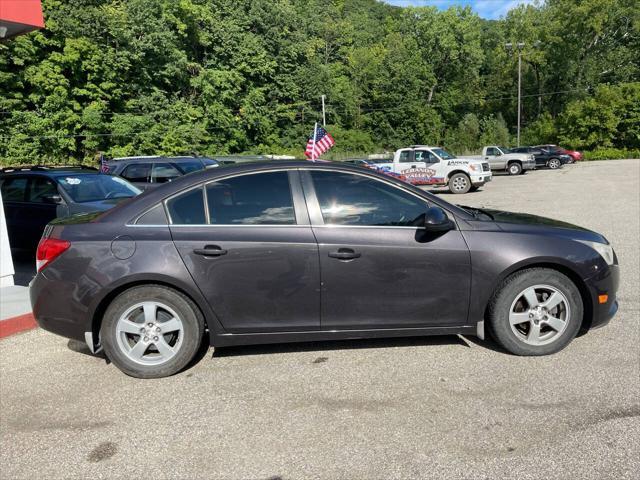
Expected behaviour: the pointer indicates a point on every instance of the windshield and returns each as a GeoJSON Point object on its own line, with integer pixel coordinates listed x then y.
{"type": "Point", "coordinates": [94, 187]}
{"type": "Point", "coordinates": [504, 149]}
{"type": "Point", "coordinates": [443, 154]}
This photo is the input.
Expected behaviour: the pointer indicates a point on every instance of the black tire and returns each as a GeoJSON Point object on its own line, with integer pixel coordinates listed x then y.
{"type": "Point", "coordinates": [514, 168]}
{"type": "Point", "coordinates": [508, 293]}
{"type": "Point", "coordinates": [459, 183]}
{"type": "Point", "coordinates": [191, 335]}
{"type": "Point", "coordinates": [554, 163]}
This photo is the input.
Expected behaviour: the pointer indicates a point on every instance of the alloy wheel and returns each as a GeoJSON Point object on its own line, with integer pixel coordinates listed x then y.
{"type": "Point", "coordinates": [149, 333]}
{"type": "Point", "coordinates": [539, 315]}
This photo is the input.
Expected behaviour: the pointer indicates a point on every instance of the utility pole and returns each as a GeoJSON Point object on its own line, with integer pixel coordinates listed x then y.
{"type": "Point", "coordinates": [324, 118]}
{"type": "Point", "coordinates": [519, 46]}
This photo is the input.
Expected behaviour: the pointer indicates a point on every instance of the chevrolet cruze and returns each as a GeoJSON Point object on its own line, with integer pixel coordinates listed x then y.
{"type": "Point", "coordinates": [285, 252]}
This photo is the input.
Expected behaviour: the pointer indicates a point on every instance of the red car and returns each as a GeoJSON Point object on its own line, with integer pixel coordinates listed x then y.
{"type": "Point", "coordinates": [575, 155]}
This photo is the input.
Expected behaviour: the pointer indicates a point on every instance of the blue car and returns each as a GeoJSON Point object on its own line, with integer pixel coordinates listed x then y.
{"type": "Point", "coordinates": [34, 196]}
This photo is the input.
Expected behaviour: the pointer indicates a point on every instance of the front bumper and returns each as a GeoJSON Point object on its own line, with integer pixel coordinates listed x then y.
{"type": "Point", "coordinates": [604, 283]}
{"type": "Point", "coordinates": [481, 178]}
{"type": "Point", "coordinates": [529, 165]}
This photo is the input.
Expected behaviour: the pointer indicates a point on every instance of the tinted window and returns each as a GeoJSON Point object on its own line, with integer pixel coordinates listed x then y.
{"type": "Point", "coordinates": [189, 166]}
{"type": "Point", "coordinates": [138, 172]}
{"type": "Point", "coordinates": [41, 190]}
{"type": "Point", "coordinates": [258, 199]}
{"type": "Point", "coordinates": [94, 187]}
{"type": "Point", "coordinates": [347, 199]}
{"type": "Point", "coordinates": [163, 172]}
{"type": "Point", "coordinates": [188, 208]}
{"type": "Point", "coordinates": [492, 151]}
{"type": "Point", "coordinates": [14, 189]}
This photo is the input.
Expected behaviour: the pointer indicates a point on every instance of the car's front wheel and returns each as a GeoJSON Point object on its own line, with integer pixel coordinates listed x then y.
{"type": "Point", "coordinates": [151, 331]}
{"type": "Point", "coordinates": [459, 183]}
{"type": "Point", "coordinates": [515, 168]}
{"type": "Point", "coordinates": [554, 164]}
{"type": "Point", "coordinates": [536, 311]}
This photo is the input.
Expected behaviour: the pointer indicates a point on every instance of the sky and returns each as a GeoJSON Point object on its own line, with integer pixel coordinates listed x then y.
{"type": "Point", "coordinates": [490, 9]}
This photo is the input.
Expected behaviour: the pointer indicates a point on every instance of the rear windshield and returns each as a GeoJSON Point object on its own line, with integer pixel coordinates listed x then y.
{"type": "Point", "coordinates": [95, 187]}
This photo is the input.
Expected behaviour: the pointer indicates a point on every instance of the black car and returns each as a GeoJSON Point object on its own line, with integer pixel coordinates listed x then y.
{"type": "Point", "coordinates": [293, 251]}
{"type": "Point", "coordinates": [33, 196]}
{"type": "Point", "coordinates": [545, 157]}
{"type": "Point", "coordinates": [145, 172]}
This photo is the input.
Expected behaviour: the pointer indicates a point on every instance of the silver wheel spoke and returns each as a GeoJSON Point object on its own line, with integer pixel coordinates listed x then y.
{"type": "Point", "coordinates": [170, 326]}
{"type": "Point", "coordinates": [516, 318]}
{"type": "Point", "coordinates": [164, 348]}
{"type": "Point", "coordinates": [150, 310]}
{"type": "Point", "coordinates": [532, 299]}
{"type": "Point", "coordinates": [555, 323]}
{"type": "Point", "coordinates": [128, 326]}
{"type": "Point", "coordinates": [553, 301]}
{"type": "Point", "coordinates": [534, 333]}
{"type": "Point", "coordinates": [138, 349]}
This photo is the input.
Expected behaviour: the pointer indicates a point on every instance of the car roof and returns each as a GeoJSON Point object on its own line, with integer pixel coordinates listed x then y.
{"type": "Point", "coordinates": [146, 159]}
{"type": "Point", "coordinates": [47, 171]}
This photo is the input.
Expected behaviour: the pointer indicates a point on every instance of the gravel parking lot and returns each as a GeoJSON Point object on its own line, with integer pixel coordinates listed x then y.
{"type": "Point", "coordinates": [404, 408]}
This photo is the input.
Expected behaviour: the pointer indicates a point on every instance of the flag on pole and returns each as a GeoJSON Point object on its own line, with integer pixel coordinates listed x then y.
{"type": "Point", "coordinates": [319, 142]}
{"type": "Point", "coordinates": [104, 167]}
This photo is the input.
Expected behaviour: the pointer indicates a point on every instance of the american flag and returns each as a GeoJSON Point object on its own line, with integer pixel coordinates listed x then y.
{"type": "Point", "coordinates": [318, 145]}
{"type": "Point", "coordinates": [104, 167]}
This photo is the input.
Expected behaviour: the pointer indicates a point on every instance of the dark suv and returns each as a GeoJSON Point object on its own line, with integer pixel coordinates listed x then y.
{"type": "Point", "coordinates": [146, 172]}
{"type": "Point", "coordinates": [545, 157]}
{"type": "Point", "coordinates": [33, 196]}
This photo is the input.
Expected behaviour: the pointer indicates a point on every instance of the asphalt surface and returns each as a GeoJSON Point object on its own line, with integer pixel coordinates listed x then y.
{"type": "Point", "coordinates": [419, 408]}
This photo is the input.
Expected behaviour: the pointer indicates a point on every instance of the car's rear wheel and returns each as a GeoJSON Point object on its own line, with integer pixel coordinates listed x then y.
{"type": "Point", "coordinates": [514, 168]}
{"type": "Point", "coordinates": [151, 331]}
{"type": "Point", "coordinates": [535, 312]}
{"type": "Point", "coordinates": [554, 164]}
{"type": "Point", "coordinates": [459, 183]}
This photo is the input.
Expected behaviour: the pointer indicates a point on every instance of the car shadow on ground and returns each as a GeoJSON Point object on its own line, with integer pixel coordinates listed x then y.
{"type": "Point", "coordinates": [332, 345]}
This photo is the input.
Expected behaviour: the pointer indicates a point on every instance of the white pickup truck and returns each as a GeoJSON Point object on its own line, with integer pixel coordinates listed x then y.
{"type": "Point", "coordinates": [500, 158]}
{"type": "Point", "coordinates": [423, 165]}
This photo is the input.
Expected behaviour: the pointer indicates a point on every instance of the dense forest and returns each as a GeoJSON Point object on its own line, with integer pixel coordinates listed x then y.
{"type": "Point", "coordinates": [245, 76]}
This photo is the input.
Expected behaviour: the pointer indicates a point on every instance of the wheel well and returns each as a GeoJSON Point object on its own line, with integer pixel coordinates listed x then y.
{"type": "Point", "coordinates": [96, 321]}
{"type": "Point", "coordinates": [514, 161]}
{"type": "Point", "coordinates": [451, 174]}
{"type": "Point", "coordinates": [573, 276]}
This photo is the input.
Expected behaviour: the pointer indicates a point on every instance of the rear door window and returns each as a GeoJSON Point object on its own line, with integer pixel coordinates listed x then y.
{"type": "Point", "coordinates": [256, 199]}
{"type": "Point", "coordinates": [187, 208]}
{"type": "Point", "coordinates": [14, 189]}
{"type": "Point", "coordinates": [137, 172]}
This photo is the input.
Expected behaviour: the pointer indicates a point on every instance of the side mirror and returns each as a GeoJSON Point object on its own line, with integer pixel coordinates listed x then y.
{"type": "Point", "coordinates": [436, 220]}
{"type": "Point", "coordinates": [498, 153]}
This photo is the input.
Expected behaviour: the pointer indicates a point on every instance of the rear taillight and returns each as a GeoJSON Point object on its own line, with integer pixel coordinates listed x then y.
{"type": "Point", "coordinates": [48, 250]}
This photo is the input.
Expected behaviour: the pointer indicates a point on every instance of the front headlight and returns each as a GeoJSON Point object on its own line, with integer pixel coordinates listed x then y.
{"type": "Point", "coordinates": [473, 167]}
{"type": "Point", "coordinates": [605, 251]}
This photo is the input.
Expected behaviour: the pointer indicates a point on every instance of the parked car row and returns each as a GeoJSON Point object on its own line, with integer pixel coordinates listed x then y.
{"type": "Point", "coordinates": [425, 165]}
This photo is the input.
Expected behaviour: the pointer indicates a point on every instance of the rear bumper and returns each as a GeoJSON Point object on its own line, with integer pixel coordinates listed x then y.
{"type": "Point", "coordinates": [605, 283]}
{"type": "Point", "coordinates": [55, 309]}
